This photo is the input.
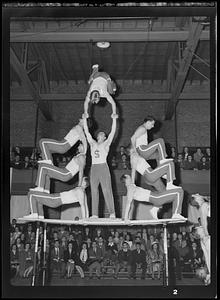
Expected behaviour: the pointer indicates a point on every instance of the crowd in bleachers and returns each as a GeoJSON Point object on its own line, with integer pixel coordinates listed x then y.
{"type": "Point", "coordinates": [188, 159]}
{"type": "Point", "coordinates": [93, 251]}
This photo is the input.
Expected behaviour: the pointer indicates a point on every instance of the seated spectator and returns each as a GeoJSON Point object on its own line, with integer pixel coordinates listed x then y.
{"type": "Point", "coordinates": [128, 240]}
{"type": "Point", "coordinates": [26, 163]}
{"type": "Point", "coordinates": [19, 245]}
{"type": "Point", "coordinates": [23, 240]}
{"type": "Point", "coordinates": [185, 153]}
{"type": "Point", "coordinates": [110, 254]}
{"type": "Point", "coordinates": [17, 151]}
{"type": "Point", "coordinates": [179, 160]}
{"type": "Point", "coordinates": [204, 164]}
{"type": "Point", "coordinates": [121, 241]}
{"type": "Point", "coordinates": [198, 155]}
{"type": "Point", "coordinates": [26, 261]}
{"type": "Point", "coordinates": [84, 256]}
{"type": "Point", "coordinates": [190, 164]}
{"type": "Point", "coordinates": [78, 236]}
{"type": "Point", "coordinates": [150, 242]}
{"type": "Point", "coordinates": [195, 256]}
{"type": "Point", "coordinates": [174, 267]}
{"type": "Point", "coordinates": [87, 233]}
{"type": "Point", "coordinates": [13, 225]}
{"type": "Point", "coordinates": [98, 233]}
{"type": "Point", "coordinates": [34, 158]}
{"type": "Point", "coordinates": [62, 232]}
{"type": "Point", "coordinates": [144, 237]}
{"type": "Point", "coordinates": [17, 164]}
{"type": "Point", "coordinates": [63, 162]}
{"type": "Point", "coordinates": [208, 154]}
{"type": "Point", "coordinates": [155, 259]}
{"type": "Point", "coordinates": [173, 153]}
{"type": "Point", "coordinates": [28, 232]}
{"type": "Point", "coordinates": [57, 161]}
{"type": "Point", "coordinates": [72, 260]}
{"type": "Point", "coordinates": [14, 259]}
{"type": "Point", "coordinates": [94, 263]}
{"type": "Point", "coordinates": [184, 252]}
{"type": "Point", "coordinates": [124, 260]}
{"type": "Point", "coordinates": [138, 260]}
{"type": "Point", "coordinates": [116, 238]}
{"type": "Point", "coordinates": [124, 163]}
{"type": "Point", "coordinates": [89, 243]}
{"type": "Point", "coordinates": [57, 259]}
{"type": "Point", "coordinates": [114, 162]}
{"type": "Point", "coordinates": [121, 152]}
{"type": "Point", "coordinates": [63, 243]}
{"type": "Point", "coordinates": [17, 232]}
{"type": "Point", "coordinates": [138, 240]}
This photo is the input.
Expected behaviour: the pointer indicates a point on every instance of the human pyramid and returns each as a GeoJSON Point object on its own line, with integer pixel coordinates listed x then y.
{"type": "Point", "coordinates": [102, 86]}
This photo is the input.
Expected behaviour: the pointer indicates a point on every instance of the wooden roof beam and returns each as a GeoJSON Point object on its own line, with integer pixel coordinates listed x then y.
{"type": "Point", "coordinates": [192, 43]}
{"type": "Point", "coordinates": [21, 72]}
{"type": "Point", "coordinates": [111, 36]}
{"type": "Point", "coordinates": [123, 96]}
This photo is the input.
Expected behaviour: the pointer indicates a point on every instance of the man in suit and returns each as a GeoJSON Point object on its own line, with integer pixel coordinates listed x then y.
{"type": "Point", "coordinates": [138, 260]}
{"type": "Point", "coordinates": [124, 259]}
{"type": "Point", "coordinates": [57, 259]}
{"type": "Point", "coordinates": [94, 260]}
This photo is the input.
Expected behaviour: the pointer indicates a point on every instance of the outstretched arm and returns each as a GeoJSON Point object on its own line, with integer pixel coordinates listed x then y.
{"type": "Point", "coordinates": [84, 142]}
{"type": "Point", "coordinates": [86, 130]}
{"type": "Point", "coordinates": [81, 163]}
{"type": "Point", "coordinates": [140, 130]}
{"type": "Point", "coordinates": [112, 102]}
{"type": "Point", "coordinates": [112, 133]}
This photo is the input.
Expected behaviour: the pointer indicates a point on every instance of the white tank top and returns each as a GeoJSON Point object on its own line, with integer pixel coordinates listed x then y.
{"type": "Point", "coordinates": [141, 194]}
{"type": "Point", "coordinates": [99, 84]}
{"type": "Point", "coordinates": [72, 166]}
{"type": "Point", "coordinates": [98, 153]}
{"type": "Point", "coordinates": [71, 196]}
{"type": "Point", "coordinates": [142, 140]}
{"type": "Point", "coordinates": [72, 136]}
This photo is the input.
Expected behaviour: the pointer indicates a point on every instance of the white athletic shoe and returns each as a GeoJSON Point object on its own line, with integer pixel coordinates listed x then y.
{"type": "Point", "coordinates": [112, 216]}
{"type": "Point", "coordinates": [45, 161]}
{"type": "Point", "coordinates": [47, 191]}
{"type": "Point", "coordinates": [31, 216]}
{"type": "Point", "coordinates": [162, 161]}
{"type": "Point", "coordinates": [171, 186]}
{"type": "Point", "coordinates": [178, 216]}
{"type": "Point", "coordinates": [154, 211]}
{"type": "Point", "coordinates": [94, 217]}
{"type": "Point", "coordinates": [37, 189]}
{"type": "Point", "coordinates": [41, 217]}
{"type": "Point", "coordinates": [164, 176]}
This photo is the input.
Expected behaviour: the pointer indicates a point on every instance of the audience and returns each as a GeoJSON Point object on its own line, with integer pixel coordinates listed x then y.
{"type": "Point", "coordinates": [97, 249]}
{"type": "Point", "coordinates": [185, 153]}
{"type": "Point", "coordinates": [198, 155]}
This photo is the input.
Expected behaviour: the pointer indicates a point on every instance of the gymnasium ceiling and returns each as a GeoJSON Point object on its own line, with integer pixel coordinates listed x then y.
{"type": "Point", "coordinates": [151, 48]}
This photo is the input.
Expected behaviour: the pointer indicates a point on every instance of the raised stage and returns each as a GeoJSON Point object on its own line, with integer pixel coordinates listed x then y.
{"type": "Point", "coordinates": [106, 221]}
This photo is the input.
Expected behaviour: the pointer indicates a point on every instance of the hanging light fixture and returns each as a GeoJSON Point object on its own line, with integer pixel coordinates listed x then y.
{"type": "Point", "coordinates": [103, 45]}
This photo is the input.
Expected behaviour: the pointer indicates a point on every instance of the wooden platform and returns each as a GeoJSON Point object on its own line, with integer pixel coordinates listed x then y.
{"type": "Point", "coordinates": [106, 221]}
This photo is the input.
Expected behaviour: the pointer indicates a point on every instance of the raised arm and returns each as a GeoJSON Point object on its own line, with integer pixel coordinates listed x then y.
{"type": "Point", "coordinates": [112, 102]}
{"type": "Point", "coordinates": [81, 162]}
{"type": "Point", "coordinates": [84, 142]}
{"type": "Point", "coordinates": [86, 130]}
{"type": "Point", "coordinates": [112, 133]}
{"type": "Point", "coordinates": [128, 203]}
{"type": "Point", "coordinates": [139, 131]}
{"type": "Point", "coordinates": [86, 104]}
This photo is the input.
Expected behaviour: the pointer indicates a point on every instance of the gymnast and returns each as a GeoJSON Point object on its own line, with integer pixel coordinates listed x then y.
{"type": "Point", "coordinates": [157, 199]}
{"type": "Point", "coordinates": [49, 146]}
{"type": "Point", "coordinates": [204, 210]}
{"type": "Point", "coordinates": [38, 199]}
{"type": "Point", "coordinates": [101, 86]}
{"type": "Point", "coordinates": [47, 171]}
{"type": "Point", "coordinates": [165, 170]}
{"type": "Point", "coordinates": [153, 150]}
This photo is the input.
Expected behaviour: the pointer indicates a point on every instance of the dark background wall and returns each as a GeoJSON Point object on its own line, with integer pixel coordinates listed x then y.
{"type": "Point", "coordinates": [193, 121]}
